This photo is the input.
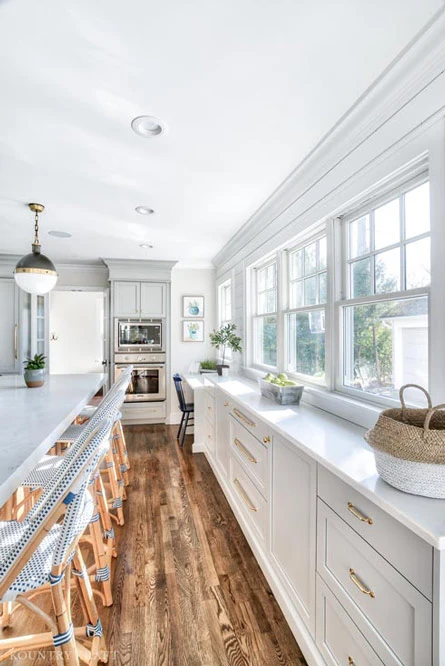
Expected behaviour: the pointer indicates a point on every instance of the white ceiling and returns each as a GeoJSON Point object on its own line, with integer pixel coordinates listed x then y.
{"type": "Point", "coordinates": [246, 88]}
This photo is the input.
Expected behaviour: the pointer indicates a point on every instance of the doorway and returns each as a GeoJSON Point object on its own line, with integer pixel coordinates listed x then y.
{"type": "Point", "coordinates": [76, 332]}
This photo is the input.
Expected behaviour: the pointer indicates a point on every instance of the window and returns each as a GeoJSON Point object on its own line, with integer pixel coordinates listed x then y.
{"type": "Point", "coordinates": [225, 303]}
{"type": "Point", "coordinates": [306, 317]}
{"type": "Point", "coordinates": [387, 273]}
{"type": "Point", "coordinates": [265, 318]}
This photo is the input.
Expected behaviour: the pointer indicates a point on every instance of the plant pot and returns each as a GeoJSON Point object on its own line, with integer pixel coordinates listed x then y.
{"type": "Point", "coordinates": [34, 378]}
{"type": "Point", "coordinates": [222, 370]}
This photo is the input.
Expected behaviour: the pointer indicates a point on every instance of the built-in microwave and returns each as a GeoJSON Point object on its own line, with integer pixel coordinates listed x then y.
{"type": "Point", "coordinates": [138, 335]}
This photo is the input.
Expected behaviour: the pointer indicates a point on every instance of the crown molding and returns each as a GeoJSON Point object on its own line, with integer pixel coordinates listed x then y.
{"type": "Point", "coordinates": [138, 269]}
{"type": "Point", "coordinates": [416, 67]}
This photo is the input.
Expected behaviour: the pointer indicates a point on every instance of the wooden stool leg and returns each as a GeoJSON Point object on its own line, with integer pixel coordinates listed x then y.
{"type": "Point", "coordinates": [6, 614]}
{"type": "Point", "coordinates": [107, 525]}
{"type": "Point", "coordinates": [122, 447]}
{"type": "Point", "coordinates": [65, 638]}
{"type": "Point", "coordinates": [115, 488]}
{"type": "Point", "coordinates": [103, 573]}
{"type": "Point", "coordinates": [94, 626]}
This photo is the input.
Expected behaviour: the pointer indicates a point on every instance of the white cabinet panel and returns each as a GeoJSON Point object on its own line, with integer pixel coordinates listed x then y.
{"type": "Point", "coordinates": [127, 298]}
{"type": "Point", "coordinates": [9, 338]}
{"type": "Point", "coordinates": [223, 405]}
{"type": "Point", "coordinates": [293, 525]}
{"type": "Point", "coordinates": [152, 299]}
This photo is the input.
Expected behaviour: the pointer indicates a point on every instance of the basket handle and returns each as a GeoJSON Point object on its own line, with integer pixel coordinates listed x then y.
{"type": "Point", "coordinates": [429, 416]}
{"type": "Point", "coordinates": [402, 391]}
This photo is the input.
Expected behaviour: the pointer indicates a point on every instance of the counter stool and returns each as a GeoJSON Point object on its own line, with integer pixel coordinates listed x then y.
{"type": "Point", "coordinates": [187, 409]}
{"type": "Point", "coordinates": [38, 554]}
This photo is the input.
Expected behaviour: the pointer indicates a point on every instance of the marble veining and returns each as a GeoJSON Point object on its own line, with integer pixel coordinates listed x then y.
{"type": "Point", "coordinates": [33, 419]}
{"type": "Point", "coordinates": [339, 446]}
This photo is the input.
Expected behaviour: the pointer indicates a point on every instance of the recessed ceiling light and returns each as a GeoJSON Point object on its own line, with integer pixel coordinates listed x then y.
{"type": "Point", "coordinates": [144, 210]}
{"type": "Point", "coordinates": [60, 234]}
{"type": "Point", "coordinates": [148, 126]}
{"type": "Point", "coordinates": [146, 246]}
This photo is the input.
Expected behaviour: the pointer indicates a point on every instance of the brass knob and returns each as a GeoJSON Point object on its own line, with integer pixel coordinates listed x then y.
{"type": "Point", "coordinates": [266, 440]}
{"type": "Point", "coordinates": [226, 404]}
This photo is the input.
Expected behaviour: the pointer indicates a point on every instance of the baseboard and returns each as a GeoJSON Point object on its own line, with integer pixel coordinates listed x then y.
{"type": "Point", "coordinates": [197, 447]}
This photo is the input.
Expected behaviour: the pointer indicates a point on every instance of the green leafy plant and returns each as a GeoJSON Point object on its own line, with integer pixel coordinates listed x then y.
{"type": "Point", "coordinates": [225, 338]}
{"type": "Point", "coordinates": [35, 363]}
{"type": "Point", "coordinates": [208, 365]}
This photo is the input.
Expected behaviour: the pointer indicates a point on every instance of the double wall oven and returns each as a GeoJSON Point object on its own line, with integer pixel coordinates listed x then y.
{"type": "Point", "coordinates": [141, 343]}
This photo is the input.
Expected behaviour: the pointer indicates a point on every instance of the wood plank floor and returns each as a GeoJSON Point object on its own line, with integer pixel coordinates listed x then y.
{"type": "Point", "coordinates": [187, 588]}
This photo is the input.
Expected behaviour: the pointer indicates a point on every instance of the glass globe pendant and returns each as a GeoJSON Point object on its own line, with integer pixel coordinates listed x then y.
{"type": "Point", "coordinates": [35, 273]}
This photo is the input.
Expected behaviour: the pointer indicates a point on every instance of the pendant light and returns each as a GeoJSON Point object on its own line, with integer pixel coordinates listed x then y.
{"type": "Point", "coordinates": [35, 273]}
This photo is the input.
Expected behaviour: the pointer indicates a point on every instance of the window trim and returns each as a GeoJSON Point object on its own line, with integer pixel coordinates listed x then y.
{"type": "Point", "coordinates": [270, 261]}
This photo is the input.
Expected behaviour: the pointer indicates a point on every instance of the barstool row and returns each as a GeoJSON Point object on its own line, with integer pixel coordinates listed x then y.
{"type": "Point", "coordinates": [67, 505]}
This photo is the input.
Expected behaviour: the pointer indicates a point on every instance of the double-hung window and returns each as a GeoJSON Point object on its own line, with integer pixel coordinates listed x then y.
{"type": "Point", "coordinates": [265, 315]}
{"type": "Point", "coordinates": [225, 303]}
{"type": "Point", "coordinates": [306, 316]}
{"type": "Point", "coordinates": [386, 277]}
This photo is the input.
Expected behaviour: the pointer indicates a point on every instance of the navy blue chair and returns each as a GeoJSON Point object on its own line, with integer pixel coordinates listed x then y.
{"type": "Point", "coordinates": [187, 409]}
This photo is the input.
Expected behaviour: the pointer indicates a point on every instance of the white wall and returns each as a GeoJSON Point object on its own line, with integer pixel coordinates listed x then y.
{"type": "Point", "coordinates": [189, 282]}
{"type": "Point", "coordinates": [76, 319]}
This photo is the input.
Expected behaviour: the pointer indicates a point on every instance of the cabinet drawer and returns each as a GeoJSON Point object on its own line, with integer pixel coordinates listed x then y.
{"type": "Point", "coordinates": [253, 455]}
{"type": "Point", "coordinates": [210, 407]}
{"type": "Point", "coordinates": [249, 500]}
{"type": "Point", "coordinates": [394, 616]}
{"type": "Point", "coordinates": [251, 423]}
{"type": "Point", "coordinates": [337, 637]}
{"type": "Point", "coordinates": [409, 554]}
{"type": "Point", "coordinates": [210, 439]}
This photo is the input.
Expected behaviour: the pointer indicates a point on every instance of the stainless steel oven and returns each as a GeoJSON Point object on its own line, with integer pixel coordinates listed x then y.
{"type": "Point", "coordinates": [147, 382]}
{"type": "Point", "coordinates": [138, 335]}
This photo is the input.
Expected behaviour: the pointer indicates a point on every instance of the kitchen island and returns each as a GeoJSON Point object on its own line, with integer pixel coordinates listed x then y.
{"type": "Point", "coordinates": [33, 419]}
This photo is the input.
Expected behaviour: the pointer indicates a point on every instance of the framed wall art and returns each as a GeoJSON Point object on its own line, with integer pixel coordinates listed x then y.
{"type": "Point", "coordinates": [193, 306]}
{"type": "Point", "coordinates": [192, 331]}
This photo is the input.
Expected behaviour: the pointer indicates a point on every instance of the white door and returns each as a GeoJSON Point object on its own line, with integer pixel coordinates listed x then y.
{"type": "Point", "coordinates": [76, 332]}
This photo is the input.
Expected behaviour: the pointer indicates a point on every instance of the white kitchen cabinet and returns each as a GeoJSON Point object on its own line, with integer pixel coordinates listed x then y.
{"type": "Point", "coordinates": [127, 299]}
{"type": "Point", "coordinates": [9, 340]}
{"type": "Point", "coordinates": [222, 433]}
{"type": "Point", "coordinates": [139, 299]}
{"type": "Point", "coordinates": [293, 501]}
{"type": "Point", "coordinates": [153, 299]}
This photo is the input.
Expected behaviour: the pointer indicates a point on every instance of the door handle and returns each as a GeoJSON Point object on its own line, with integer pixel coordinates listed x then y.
{"type": "Point", "coordinates": [16, 348]}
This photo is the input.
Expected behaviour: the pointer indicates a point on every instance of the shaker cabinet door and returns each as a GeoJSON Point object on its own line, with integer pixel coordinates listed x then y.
{"type": "Point", "coordinates": [9, 340]}
{"type": "Point", "coordinates": [293, 525]}
{"type": "Point", "coordinates": [127, 299]}
{"type": "Point", "coordinates": [223, 433]}
{"type": "Point", "coordinates": [152, 299]}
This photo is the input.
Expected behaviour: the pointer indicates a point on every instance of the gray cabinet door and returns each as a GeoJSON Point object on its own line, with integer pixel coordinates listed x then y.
{"type": "Point", "coordinates": [152, 299]}
{"type": "Point", "coordinates": [127, 299]}
{"type": "Point", "coordinates": [9, 338]}
{"type": "Point", "coordinates": [293, 525]}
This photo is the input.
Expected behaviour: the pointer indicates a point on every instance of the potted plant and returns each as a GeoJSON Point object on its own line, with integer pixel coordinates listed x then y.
{"type": "Point", "coordinates": [207, 366]}
{"type": "Point", "coordinates": [225, 338]}
{"type": "Point", "coordinates": [35, 371]}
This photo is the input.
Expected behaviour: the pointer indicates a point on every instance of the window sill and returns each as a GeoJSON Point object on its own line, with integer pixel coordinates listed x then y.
{"type": "Point", "coordinates": [360, 412]}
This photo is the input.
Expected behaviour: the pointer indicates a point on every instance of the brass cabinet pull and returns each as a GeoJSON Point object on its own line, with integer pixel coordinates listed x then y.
{"type": "Point", "coordinates": [244, 496]}
{"type": "Point", "coordinates": [358, 514]}
{"type": "Point", "coordinates": [246, 453]}
{"type": "Point", "coordinates": [16, 350]}
{"type": "Point", "coordinates": [266, 440]}
{"type": "Point", "coordinates": [350, 661]}
{"type": "Point", "coordinates": [226, 404]}
{"type": "Point", "coordinates": [244, 418]}
{"type": "Point", "coordinates": [358, 583]}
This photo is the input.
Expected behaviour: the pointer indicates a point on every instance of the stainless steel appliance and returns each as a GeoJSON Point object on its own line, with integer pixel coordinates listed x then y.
{"type": "Point", "coordinates": [148, 377]}
{"type": "Point", "coordinates": [138, 335]}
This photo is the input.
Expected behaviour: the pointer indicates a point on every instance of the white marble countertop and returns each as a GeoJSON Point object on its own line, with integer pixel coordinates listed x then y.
{"type": "Point", "coordinates": [339, 446]}
{"type": "Point", "coordinates": [33, 419]}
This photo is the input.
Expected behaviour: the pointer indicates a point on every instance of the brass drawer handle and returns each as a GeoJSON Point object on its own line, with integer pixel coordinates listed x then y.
{"type": "Point", "coordinates": [245, 451]}
{"type": "Point", "coordinates": [358, 514]}
{"type": "Point", "coordinates": [266, 440]}
{"type": "Point", "coordinates": [16, 351]}
{"type": "Point", "coordinates": [358, 583]}
{"type": "Point", "coordinates": [241, 416]}
{"type": "Point", "coordinates": [244, 496]}
{"type": "Point", "coordinates": [226, 404]}
{"type": "Point", "coordinates": [350, 661]}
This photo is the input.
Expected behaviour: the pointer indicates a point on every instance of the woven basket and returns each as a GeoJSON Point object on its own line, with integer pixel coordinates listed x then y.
{"type": "Point", "coordinates": [409, 447]}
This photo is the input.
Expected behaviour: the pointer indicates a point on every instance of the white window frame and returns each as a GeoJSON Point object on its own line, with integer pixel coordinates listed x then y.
{"type": "Point", "coordinates": [342, 300]}
{"type": "Point", "coordinates": [272, 260]}
{"type": "Point", "coordinates": [223, 289]}
{"type": "Point", "coordinates": [304, 242]}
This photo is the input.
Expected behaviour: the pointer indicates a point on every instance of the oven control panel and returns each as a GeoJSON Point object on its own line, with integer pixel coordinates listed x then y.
{"type": "Point", "coordinates": [139, 358]}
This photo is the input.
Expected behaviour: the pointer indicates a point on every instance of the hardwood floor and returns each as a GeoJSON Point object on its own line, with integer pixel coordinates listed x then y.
{"type": "Point", "coordinates": [187, 589]}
